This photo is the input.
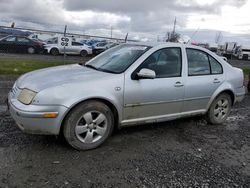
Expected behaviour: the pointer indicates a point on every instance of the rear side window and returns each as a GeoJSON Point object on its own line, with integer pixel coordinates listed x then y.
{"type": "Point", "coordinates": [198, 63]}
{"type": "Point", "coordinates": [216, 67]}
{"type": "Point", "coordinates": [10, 39]}
{"type": "Point", "coordinates": [201, 63]}
{"type": "Point", "coordinates": [77, 44]}
{"type": "Point", "coordinates": [22, 39]}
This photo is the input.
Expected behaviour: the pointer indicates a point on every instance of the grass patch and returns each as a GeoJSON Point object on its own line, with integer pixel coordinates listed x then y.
{"type": "Point", "coordinates": [18, 67]}
{"type": "Point", "coordinates": [246, 70]}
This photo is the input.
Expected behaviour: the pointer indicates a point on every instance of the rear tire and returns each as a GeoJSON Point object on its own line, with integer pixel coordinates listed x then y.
{"type": "Point", "coordinates": [54, 51]}
{"type": "Point", "coordinates": [31, 50]}
{"type": "Point", "coordinates": [219, 109]}
{"type": "Point", "coordinates": [88, 125]}
{"type": "Point", "coordinates": [83, 53]}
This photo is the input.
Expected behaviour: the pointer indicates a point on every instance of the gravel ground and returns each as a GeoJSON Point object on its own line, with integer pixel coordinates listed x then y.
{"type": "Point", "coordinates": [182, 153]}
{"type": "Point", "coordinates": [187, 152]}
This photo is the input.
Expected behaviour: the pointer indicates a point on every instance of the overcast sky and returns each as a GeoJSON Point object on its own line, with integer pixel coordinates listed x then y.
{"type": "Point", "coordinates": [199, 19]}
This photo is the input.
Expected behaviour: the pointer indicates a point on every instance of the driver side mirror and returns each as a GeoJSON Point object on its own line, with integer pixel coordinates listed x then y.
{"type": "Point", "coordinates": [146, 74]}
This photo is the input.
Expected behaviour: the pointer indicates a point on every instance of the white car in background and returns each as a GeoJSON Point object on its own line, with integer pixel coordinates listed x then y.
{"type": "Point", "coordinates": [76, 48]}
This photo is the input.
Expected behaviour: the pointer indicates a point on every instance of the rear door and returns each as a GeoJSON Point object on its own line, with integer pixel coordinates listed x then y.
{"type": "Point", "coordinates": [205, 75]}
{"type": "Point", "coordinates": [23, 44]}
{"type": "Point", "coordinates": [75, 48]}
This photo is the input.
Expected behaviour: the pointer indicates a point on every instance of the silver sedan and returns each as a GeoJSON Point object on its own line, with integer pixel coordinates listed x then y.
{"type": "Point", "coordinates": [129, 84]}
{"type": "Point", "coordinates": [75, 48]}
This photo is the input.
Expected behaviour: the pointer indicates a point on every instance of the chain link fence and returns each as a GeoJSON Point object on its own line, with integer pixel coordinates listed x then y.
{"type": "Point", "coordinates": [23, 50]}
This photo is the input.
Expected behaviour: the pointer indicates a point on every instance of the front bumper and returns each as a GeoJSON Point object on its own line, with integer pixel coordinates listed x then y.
{"type": "Point", "coordinates": [29, 118]}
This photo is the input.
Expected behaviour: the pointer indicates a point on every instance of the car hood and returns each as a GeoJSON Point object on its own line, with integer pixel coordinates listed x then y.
{"type": "Point", "coordinates": [51, 77]}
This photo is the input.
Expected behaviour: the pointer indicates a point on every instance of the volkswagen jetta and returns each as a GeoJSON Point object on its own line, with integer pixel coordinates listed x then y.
{"type": "Point", "coordinates": [129, 84]}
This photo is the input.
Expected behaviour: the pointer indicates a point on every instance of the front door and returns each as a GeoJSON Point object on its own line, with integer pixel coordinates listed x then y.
{"type": "Point", "coordinates": [155, 98]}
{"type": "Point", "coordinates": [8, 44]}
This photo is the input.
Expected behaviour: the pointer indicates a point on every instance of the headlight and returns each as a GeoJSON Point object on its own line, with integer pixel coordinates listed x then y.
{"type": "Point", "coordinates": [26, 96]}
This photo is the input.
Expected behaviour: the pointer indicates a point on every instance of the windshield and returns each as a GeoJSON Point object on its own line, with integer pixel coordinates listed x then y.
{"type": "Point", "coordinates": [118, 59]}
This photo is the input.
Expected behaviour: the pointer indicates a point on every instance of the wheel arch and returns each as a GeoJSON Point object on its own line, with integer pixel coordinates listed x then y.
{"type": "Point", "coordinates": [53, 48]}
{"type": "Point", "coordinates": [84, 50]}
{"type": "Point", "coordinates": [227, 91]}
{"type": "Point", "coordinates": [112, 107]}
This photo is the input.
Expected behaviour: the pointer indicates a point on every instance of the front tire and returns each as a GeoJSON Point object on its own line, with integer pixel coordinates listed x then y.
{"type": "Point", "coordinates": [83, 53]}
{"type": "Point", "coordinates": [54, 51]}
{"type": "Point", "coordinates": [88, 125]}
{"type": "Point", "coordinates": [219, 109]}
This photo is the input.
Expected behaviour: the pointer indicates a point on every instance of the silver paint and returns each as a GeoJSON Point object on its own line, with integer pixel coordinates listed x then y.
{"type": "Point", "coordinates": [136, 102]}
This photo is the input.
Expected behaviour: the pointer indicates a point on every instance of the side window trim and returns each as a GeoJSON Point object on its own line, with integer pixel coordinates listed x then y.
{"type": "Point", "coordinates": [133, 75]}
{"type": "Point", "coordinates": [210, 67]}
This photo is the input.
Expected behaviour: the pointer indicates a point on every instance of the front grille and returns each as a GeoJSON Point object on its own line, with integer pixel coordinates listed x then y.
{"type": "Point", "coordinates": [15, 91]}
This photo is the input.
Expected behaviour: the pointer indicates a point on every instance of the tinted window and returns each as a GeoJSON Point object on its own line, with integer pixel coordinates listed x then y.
{"type": "Point", "coordinates": [22, 39]}
{"type": "Point", "coordinates": [165, 62]}
{"type": "Point", "coordinates": [216, 67]}
{"type": "Point", "coordinates": [198, 62]}
{"type": "Point", "coordinates": [101, 44]}
{"type": "Point", "coordinates": [10, 39]}
{"type": "Point", "coordinates": [77, 44]}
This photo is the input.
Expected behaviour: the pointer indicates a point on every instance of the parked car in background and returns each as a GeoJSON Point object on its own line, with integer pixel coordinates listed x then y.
{"type": "Point", "coordinates": [128, 85]}
{"type": "Point", "coordinates": [244, 53]}
{"type": "Point", "coordinates": [22, 44]}
{"type": "Point", "coordinates": [76, 48]}
{"type": "Point", "coordinates": [91, 42]}
{"type": "Point", "coordinates": [53, 40]}
{"type": "Point", "coordinates": [224, 58]}
{"type": "Point", "coordinates": [102, 46]}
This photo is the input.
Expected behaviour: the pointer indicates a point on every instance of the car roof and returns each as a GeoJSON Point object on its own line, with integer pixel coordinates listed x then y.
{"type": "Point", "coordinates": [16, 36]}
{"type": "Point", "coordinates": [167, 44]}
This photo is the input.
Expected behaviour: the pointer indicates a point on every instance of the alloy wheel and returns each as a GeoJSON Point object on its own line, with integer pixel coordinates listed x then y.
{"type": "Point", "coordinates": [91, 127]}
{"type": "Point", "coordinates": [221, 109]}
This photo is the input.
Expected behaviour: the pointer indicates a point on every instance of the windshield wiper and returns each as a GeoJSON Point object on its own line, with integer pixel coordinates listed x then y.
{"type": "Point", "coordinates": [91, 66]}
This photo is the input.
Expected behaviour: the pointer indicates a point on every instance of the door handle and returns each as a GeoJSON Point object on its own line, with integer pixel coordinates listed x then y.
{"type": "Point", "coordinates": [216, 81]}
{"type": "Point", "coordinates": [178, 84]}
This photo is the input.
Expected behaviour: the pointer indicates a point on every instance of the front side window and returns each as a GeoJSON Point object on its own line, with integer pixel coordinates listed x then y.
{"type": "Point", "coordinates": [198, 62]}
{"type": "Point", "coordinates": [117, 59]}
{"type": "Point", "coordinates": [165, 62]}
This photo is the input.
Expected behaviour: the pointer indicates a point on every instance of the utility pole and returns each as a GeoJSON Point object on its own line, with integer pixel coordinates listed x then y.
{"type": "Point", "coordinates": [111, 32]}
{"type": "Point", "coordinates": [65, 30]}
{"type": "Point", "coordinates": [126, 38]}
{"type": "Point", "coordinates": [64, 50]}
{"type": "Point", "coordinates": [174, 26]}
